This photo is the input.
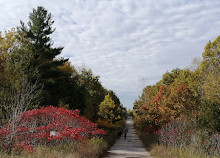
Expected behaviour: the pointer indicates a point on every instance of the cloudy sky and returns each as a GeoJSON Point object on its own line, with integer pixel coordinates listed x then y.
{"type": "Point", "coordinates": [128, 43]}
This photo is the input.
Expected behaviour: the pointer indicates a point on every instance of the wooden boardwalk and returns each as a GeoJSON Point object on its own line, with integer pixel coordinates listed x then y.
{"type": "Point", "coordinates": [131, 147]}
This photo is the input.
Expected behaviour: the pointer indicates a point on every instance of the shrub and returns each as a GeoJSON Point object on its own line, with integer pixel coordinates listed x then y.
{"type": "Point", "coordinates": [48, 125]}
{"type": "Point", "coordinates": [175, 133]}
{"type": "Point", "coordinates": [182, 133]}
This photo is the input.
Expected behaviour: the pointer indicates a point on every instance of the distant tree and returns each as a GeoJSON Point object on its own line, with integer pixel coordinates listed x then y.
{"type": "Point", "coordinates": [130, 112]}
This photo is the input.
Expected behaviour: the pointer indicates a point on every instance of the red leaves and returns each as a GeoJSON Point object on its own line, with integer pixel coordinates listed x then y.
{"type": "Point", "coordinates": [66, 125]}
{"type": "Point", "coordinates": [151, 129]}
{"type": "Point", "coordinates": [157, 98]}
{"type": "Point", "coordinates": [98, 132]}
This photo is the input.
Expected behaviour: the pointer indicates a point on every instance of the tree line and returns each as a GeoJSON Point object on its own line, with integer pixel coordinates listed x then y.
{"type": "Point", "coordinates": [185, 103]}
{"type": "Point", "coordinates": [27, 57]}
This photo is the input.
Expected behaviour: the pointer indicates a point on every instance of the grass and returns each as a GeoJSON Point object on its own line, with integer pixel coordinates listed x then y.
{"type": "Point", "coordinates": [43, 151]}
{"type": "Point", "coordinates": [160, 151]}
{"type": "Point", "coordinates": [92, 148]}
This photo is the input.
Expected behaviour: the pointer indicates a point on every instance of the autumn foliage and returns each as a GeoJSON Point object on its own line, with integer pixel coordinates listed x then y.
{"type": "Point", "coordinates": [182, 109]}
{"type": "Point", "coordinates": [49, 125]}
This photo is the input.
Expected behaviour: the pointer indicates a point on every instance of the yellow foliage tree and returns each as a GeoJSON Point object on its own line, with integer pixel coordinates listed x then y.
{"type": "Point", "coordinates": [107, 108]}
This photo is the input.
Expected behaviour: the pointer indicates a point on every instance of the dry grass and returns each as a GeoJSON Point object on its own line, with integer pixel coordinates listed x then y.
{"type": "Point", "coordinates": [93, 148]}
{"type": "Point", "coordinates": [160, 151]}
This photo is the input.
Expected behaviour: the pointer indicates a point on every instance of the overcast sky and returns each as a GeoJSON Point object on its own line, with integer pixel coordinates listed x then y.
{"type": "Point", "coordinates": [128, 43]}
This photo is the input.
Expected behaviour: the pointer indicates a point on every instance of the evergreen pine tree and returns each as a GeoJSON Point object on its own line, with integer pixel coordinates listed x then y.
{"type": "Point", "coordinates": [39, 43]}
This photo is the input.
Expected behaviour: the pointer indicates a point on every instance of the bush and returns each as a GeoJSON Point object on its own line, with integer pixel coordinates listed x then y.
{"type": "Point", "coordinates": [175, 133]}
{"type": "Point", "coordinates": [182, 133]}
{"type": "Point", "coordinates": [48, 125]}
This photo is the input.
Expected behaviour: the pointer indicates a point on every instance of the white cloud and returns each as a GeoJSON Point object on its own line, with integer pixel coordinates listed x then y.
{"type": "Point", "coordinates": [125, 41]}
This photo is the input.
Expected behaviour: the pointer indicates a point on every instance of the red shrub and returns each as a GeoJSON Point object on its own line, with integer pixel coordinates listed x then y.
{"type": "Point", "coordinates": [48, 125]}
{"type": "Point", "coordinates": [175, 133]}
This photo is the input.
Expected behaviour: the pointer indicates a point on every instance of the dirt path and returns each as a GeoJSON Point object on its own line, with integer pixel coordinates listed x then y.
{"type": "Point", "coordinates": [132, 147]}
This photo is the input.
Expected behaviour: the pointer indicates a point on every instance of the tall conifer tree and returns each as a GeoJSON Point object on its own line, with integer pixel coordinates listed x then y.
{"type": "Point", "coordinates": [39, 43]}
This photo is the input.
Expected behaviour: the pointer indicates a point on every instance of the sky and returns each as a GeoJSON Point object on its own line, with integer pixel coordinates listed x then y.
{"type": "Point", "coordinates": [128, 43]}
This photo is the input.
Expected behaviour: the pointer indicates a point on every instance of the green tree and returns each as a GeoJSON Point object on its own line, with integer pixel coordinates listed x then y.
{"type": "Point", "coordinates": [169, 77]}
{"type": "Point", "coordinates": [107, 108]}
{"type": "Point", "coordinates": [92, 92]}
{"type": "Point", "coordinates": [210, 85]}
{"type": "Point", "coordinates": [17, 92]}
{"type": "Point", "coordinates": [120, 111]}
{"type": "Point", "coordinates": [72, 93]}
{"type": "Point", "coordinates": [210, 71]}
{"type": "Point", "coordinates": [211, 56]}
{"type": "Point", "coordinates": [11, 69]}
{"type": "Point", "coordinates": [8, 42]}
{"type": "Point", "coordinates": [39, 43]}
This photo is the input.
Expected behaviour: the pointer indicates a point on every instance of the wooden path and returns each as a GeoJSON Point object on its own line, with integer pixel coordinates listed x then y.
{"type": "Point", "coordinates": [131, 147]}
